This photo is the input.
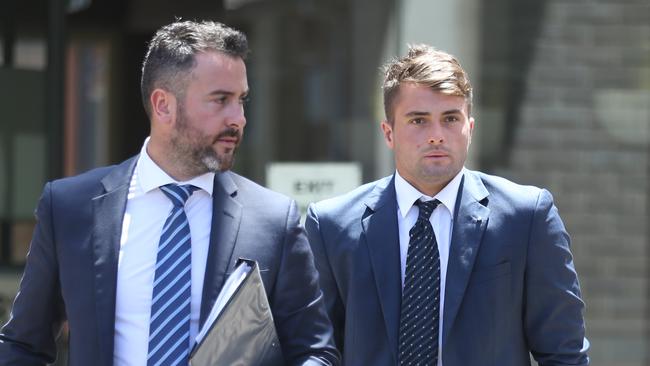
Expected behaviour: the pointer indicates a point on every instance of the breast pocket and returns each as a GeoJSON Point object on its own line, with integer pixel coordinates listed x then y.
{"type": "Point", "coordinates": [489, 273]}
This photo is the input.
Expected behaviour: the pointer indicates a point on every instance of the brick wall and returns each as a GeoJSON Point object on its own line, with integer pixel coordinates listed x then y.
{"type": "Point", "coordinates": [582, 131]}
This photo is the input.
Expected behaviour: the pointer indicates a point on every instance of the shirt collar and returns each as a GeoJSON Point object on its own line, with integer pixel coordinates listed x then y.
{"type": "Point", "coordinates": [407, 194]}
{"type": "Point", "coordinates": [151, 176]}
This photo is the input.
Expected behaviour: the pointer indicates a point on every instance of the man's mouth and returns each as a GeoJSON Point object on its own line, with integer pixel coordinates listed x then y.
{"type": "Point", "coordinates": [229, 136]}
{"type": "Point", "coordinates": [232, 140]}
{"type": "Point", "coordinates": [436, 154]}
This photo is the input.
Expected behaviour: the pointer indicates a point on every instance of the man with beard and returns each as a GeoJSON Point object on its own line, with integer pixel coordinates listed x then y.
{"type": "Point", "coordinates": [438, 264]}
{"type": "Point", "coordinates": [133, 256]}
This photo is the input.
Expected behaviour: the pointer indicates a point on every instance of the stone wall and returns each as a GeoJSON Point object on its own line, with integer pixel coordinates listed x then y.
{"type": "Point", "coordinates": [581, 130]}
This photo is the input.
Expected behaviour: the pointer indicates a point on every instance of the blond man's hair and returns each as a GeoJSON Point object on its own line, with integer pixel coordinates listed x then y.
{"type": "Point", "coordinates": [425, 65]}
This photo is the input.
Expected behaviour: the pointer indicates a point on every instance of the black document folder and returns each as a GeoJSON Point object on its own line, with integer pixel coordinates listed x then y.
{"type": "Point", "coordinates": [240, 329]}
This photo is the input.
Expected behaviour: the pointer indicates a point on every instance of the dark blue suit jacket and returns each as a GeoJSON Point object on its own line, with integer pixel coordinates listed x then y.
{"type": "Point", "coordinates": [511, 285]}
{"type": "Point", "coordinates": [71, 268]}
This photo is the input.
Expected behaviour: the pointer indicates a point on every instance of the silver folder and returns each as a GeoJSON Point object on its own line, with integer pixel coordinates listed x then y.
{"type": "Point", "coordinates": [243, 333]}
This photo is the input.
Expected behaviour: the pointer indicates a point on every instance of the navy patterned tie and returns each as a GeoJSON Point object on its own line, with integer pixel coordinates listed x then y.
{"type": "Point", "coordinates": [419, 318]}
{"type": "Point", "coordinates": [169, 329]}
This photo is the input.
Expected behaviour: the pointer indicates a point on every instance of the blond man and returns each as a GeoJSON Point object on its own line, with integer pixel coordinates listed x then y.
{"type": "Point", "coordinates": [438, 264]}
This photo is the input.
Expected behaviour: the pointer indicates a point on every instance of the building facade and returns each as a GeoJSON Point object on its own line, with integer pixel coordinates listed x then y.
{"type": "Point", "coordinates": [562, 94]}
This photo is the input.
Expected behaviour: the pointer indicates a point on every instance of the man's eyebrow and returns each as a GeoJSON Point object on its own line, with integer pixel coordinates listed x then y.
{"type": "Point", "coordinates": [452, 111]}
{"type": "Point", "coordinates": [417, 114]}
{"type": "Point", "coordinates": [220, 92]}
{"type": "Point", "coordinates": [227, 92]}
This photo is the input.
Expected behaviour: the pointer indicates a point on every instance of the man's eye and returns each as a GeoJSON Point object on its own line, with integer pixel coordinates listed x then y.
{"type": "Point", "coordinates": [244, 100]}
{"type": "Point", "coordinates": [417, 121]}
{"type": "Point", "coordinates": [451, 119]}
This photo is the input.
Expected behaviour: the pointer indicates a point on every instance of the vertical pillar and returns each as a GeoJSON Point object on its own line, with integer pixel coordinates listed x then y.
{"type": "Point", "coordinates": [56, 47]}
{"type": "Point", "coordinates": [8, 37]}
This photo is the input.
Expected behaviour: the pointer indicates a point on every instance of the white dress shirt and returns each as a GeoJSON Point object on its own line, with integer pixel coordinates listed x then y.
{"type": "Point", "coordinates": [441, 221]}
{"type": "Point", "coordinates": [147, 208]}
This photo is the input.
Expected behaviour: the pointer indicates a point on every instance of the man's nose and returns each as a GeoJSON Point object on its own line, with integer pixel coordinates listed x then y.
{"type": "Point", "coordinates": [237, 119]}
{"type": "Point", "coordinates": [436, 136]}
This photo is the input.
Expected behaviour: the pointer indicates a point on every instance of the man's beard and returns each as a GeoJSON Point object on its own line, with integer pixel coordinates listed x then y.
{"type": "Point", "coordinates": [195, 153]}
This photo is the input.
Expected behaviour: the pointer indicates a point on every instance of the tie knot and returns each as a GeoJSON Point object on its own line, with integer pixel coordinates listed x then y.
{"type": "Point", "coordinates": [178, 194]}
{"type": "Point", "coordinates": [426, 208]}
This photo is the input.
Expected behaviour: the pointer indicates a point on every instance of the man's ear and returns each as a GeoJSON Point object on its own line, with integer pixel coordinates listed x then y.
{"type": "Point", "coordinates": [387, 130]}
{"type": "Point", "coordinates": [163, 106]}
{"type": "Point", "coordinates": [471, 128]}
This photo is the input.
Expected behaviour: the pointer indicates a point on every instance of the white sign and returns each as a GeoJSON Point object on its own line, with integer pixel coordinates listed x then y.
{"type": "Point", "coordinates": [312, 182]}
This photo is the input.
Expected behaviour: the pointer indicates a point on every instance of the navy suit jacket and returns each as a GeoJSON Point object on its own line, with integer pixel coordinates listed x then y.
{"type": "Point", "coordinates": [71, 268]}
{"type": "Point", "coordinates": [511, 285]}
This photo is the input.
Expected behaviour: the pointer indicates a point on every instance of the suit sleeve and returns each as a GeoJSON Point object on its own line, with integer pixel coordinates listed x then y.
{"type": "Point", "coordinates": [29, 337]}
{"type": "Point", "coordinates": [554, 321]}
{"type": "Point", "coordinates": [304, 328]}
{"type": "Point", "coordinates": [328, 284]}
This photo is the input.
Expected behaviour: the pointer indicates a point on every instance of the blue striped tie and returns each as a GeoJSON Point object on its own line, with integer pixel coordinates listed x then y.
{"type": "Point", "coordinates": [419, 318]}
{"type": "Point", "coordinates": [169, 330]}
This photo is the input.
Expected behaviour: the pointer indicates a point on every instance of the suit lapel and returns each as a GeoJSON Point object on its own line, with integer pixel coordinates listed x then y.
{"type": "Point", "coordinates": [382, 239]}
{"type": "Point", "coordinates": [471, 218]}
{"type": "Point", "coordinates": [226, 217]}
{"type": "Point", "coordinates": [108, 212]}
